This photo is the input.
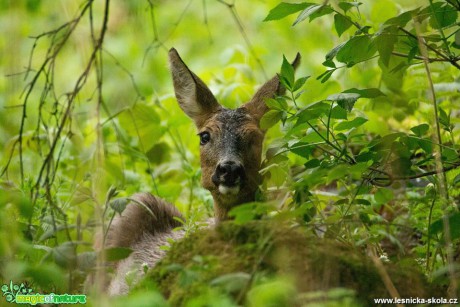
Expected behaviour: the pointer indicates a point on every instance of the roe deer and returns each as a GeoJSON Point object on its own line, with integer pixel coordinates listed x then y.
{"type": "Point", "coordinates": [230, 150]}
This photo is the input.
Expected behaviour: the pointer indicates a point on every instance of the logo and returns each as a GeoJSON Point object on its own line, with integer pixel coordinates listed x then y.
{"type": "Point", "coordinates": [22, 294]}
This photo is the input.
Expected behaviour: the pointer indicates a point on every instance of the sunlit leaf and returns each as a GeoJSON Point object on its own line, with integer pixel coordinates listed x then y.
{"type": "Point", "coordinates": [302, 149]}
{"type": "Point", "coordinates": [357, 49]}
{"type": "Point", "coordinates": [313, 11]}
{"type": "Point", "coordinates": [346, 125]}
{"type": "Point", "coordinates": [420, 130]}
{"type": "Point", "coordinates": [343, 96]}
{"type": "Point", "coordinates": [456, 180]}
{"type": "Point", "coordinates": [279, 104]}
{"type": "Point", "coordinates": [285, 9]}
{"type": "Point", "coordinates": [270, 119]}
{"type": "Point", "coordinates": [341, 23]}
{"type": "Point", "coordinates": [339, 113]}
{"type": "Point", "coordinates": [313, 111]}
{"type": "Point", "coordinates": [441, 15]}
{"type": "Point", "coordinates": [325, 76]}
{"type": "Point", "coordinates": [340, 171]}
{"type": "Point", "coordinates": [402, 19]}
{"type": "Point", "coordinates": [299, 83]}
{"type": "Point", "coordinates": [383, 196]}
{"type": "Point", "coordinates": [345, 6]}
{"type": "Point", "coordinates": [345, 100]}
{"type": "Point", "coordinates": [287, 73]}
{"type": "Point", "coordinates": [385, 43]}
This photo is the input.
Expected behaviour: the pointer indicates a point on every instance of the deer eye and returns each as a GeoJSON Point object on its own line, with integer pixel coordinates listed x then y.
{"type": "Point", "coordinates": [205, 137]}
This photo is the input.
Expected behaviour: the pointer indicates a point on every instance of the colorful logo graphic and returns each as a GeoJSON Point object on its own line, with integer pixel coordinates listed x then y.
{"type": "Point", "coordinates": [22, 294]}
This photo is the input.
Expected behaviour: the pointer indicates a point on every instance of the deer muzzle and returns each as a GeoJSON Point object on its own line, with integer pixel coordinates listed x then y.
{"type": "Point", "coordinates": [228, 177]}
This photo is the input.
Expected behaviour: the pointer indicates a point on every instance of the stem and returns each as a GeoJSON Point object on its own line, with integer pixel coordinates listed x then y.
{"type": "Point", "coordinates": [428, 241]}
{"type": "Point", "coordinates": [442, 185]}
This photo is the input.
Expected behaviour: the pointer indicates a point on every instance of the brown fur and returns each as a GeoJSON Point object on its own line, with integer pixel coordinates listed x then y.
{"type": "Point", "coordinates": [235, 136]}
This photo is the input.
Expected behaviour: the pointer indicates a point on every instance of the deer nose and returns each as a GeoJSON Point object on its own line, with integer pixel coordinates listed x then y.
{"type": "Point", "coordinates": [228, 173]}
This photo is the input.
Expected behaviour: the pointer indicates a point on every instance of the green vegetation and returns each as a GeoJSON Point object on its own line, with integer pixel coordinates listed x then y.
{"type": "Point", "coordinates": [362, 156]}
{"type": "Point", "coordinates": [268, 263]}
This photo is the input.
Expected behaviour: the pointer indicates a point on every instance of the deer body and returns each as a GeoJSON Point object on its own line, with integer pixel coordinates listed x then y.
{"type": "Point", "coordinates": [230, 152]}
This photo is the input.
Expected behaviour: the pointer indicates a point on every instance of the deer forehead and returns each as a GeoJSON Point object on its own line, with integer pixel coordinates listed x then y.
{"type": "Point", "coordinates": [232, 128]}
{"type": "Point", "coordinates": [228, 122]}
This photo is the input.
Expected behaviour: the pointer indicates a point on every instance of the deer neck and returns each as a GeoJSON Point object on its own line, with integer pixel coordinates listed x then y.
{"type": "Point", "coordinates": [222, 205]}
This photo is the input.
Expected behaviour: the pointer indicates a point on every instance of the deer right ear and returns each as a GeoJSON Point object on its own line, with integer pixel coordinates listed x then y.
{"type": "Point", "coordinates": [194, 97]}
{"type": "Point", "coordinates": [257, 107]}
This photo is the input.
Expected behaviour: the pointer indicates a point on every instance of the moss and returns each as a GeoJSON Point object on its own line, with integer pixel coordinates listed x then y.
{"type": "Point", "coordinates": [259, 251]}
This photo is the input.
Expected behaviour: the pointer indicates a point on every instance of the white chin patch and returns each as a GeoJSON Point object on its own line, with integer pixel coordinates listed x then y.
{"type": "Point", "coordinates": [225, 190]}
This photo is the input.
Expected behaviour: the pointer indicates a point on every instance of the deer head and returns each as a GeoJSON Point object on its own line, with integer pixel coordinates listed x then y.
{"type": "Point", "coordinates": [230, 140]}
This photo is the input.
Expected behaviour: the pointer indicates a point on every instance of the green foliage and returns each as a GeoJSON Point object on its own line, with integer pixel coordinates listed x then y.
{"type": "Point", "coordinates": [269, 263]}
{"type": "Point", "coordinates": [365, 151]}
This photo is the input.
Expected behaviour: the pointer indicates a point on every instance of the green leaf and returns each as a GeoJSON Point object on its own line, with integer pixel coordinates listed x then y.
{"type": "Point", "coordinates": [346, 125]}
{"type": "Point", "coordinates": [270, 119]}
{"type": "Point", "coordinates": [159, 153]}
{"type": "Point", "coordinates": [345, 100]}
{"type": "Point", "coordinates": [231, 282]}
{"type": "Point", "coordinates": [366, 93]}
{"type": "Point", "coordinates": [313, 111]}
{"type": "Point", "coordinates": [248, 212]}
{"type": "Point", "coordinates": [361, 201]}
{"type": "Point", "coordinates": [340, 171]}
{"type": "Point", "coordinates": [302, 149]}
{"type": "Point", "coordinates": [313, 11]}
{"type": "Point", "coordinates": [331, 54]}
{"type": "Point", "coordinates": [456, 180]}
{"type": "Point", "coordinates": [343, 96]}
{"type": "Point", "coordinates": [338, 113]}
{"type": "Point", "coordinates": [357, 49]}
{"type": "Point", "coordinates": [385, 43]}
{"type": "Point", "coordinates": [329, 63]}
{"type": "Point", "coordinates": [444, 119]}
{"type": "Point", "coordinates": [299, 83]}
{"type": "Point", "coordinates": [454, 226]}
{"type": "Point", "coordinates": [402, 165]}
{"type": "Point", "coordinates": [117, 253]}
{"type": "Point", "coordinates": [426, 144]}
{"type": "Point", "coordinates": [348, 98]}
{"type": "Point", "coordinates": [64, 254]}
{"type": "Point", "coordinates": [420, 130]}
{"type": "Point", "coordinates": [287, 73]}
{"type": "Point", "coordinates": [343, 201]}
{"type": "Point", "coordinates": [341, 23]}
{"type": "Point", "coordinates": [86, 260]}
{"type": "Point", "coordinates": [325, 75]}
{"type": "Point", "coordinates": [278, 103]}
{"type": "Point", "coordinates": [119, 204]}
{"type": "Point", "coordinates": [313, 163]}
{"type": "Point", "coordinates": [383, 196]}
{"type": "Point", "coordinates": [450, 154]}
{"type": "Point", "coordinates": [402, 19]}
{"type": "Point", "coordinates": [442, 15]}
{"type": "Point", "coordinates": [345, 6]}
{"type": "Point", "coordinates": [285, 9]}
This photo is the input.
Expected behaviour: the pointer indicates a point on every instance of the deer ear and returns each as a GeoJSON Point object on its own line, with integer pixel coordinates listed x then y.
{"type": "Point", "coordinates": [256, 106]}
{"type": "Point", "coordinates": [194, 97]}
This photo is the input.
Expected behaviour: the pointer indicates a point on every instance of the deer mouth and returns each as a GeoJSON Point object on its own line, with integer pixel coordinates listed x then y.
{"type": "Point", "coordinates": [229, 190]}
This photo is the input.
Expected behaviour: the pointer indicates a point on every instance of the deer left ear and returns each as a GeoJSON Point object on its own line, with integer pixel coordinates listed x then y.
{"type": "Point", "coordinates": [272, 88]}
{"type": "Point", "coordinates": [194, 97]}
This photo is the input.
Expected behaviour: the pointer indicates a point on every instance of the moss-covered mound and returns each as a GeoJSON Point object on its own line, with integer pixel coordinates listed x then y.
{"type": "Point", "coordinates": [264, 261]}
